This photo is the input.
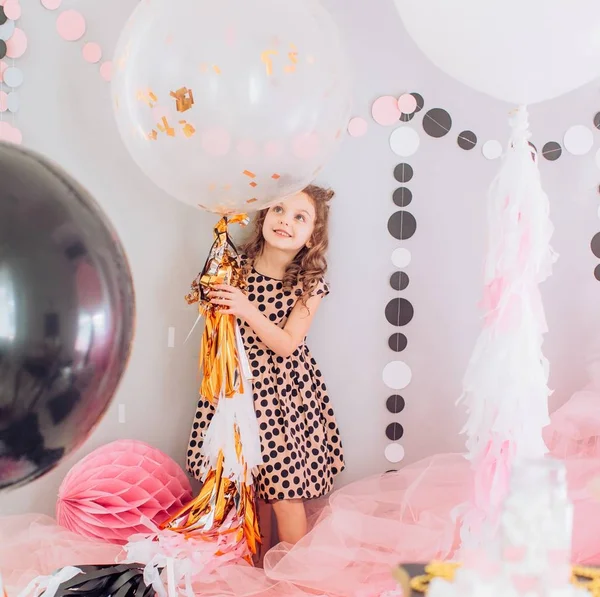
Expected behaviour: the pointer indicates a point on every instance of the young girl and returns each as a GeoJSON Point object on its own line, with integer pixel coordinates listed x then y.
{"type": "Point", "coordinates": [284, 263]}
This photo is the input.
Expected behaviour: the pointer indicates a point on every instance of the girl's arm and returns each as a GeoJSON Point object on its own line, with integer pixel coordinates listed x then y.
{"type": "Point", "coordinates": [282, 341]}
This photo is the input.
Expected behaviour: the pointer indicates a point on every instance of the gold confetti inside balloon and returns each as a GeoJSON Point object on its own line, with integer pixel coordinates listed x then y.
{"type": "Point", "coordinates": [231, 105]}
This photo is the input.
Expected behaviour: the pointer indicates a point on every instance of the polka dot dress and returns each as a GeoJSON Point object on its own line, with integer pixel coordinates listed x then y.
{"type": "Point", "coordinates": [300, 441]}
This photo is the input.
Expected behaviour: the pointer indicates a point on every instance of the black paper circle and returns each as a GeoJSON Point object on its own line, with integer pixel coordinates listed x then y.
{"type": "Point", "coordinates": [403, 172]}
{"type": "Point", "coordinates": [2, 48]}
{"type": "Point", "coordinates": [402, 225]}
{"type": "Point", "coordinates": [467, 140]}
{"type": "Point", "coordinates": [437, 122]}
{"type": "Point", "coordinates": [3, 17]}
{"type": "Point", "coordinates": [399, 280]}
{"type": "Point", "coordinates": [395, 404]}
{"type": "Point", "coordinates": [552, 150]}
{"type": "Point", "coordinates": [597, 120]}
{"type": "Point", "coordinates": [399, 312]}
{"type": "Point", "coordinates": [397, 342]}
{"type": "Point", "coordinates": [407, 117]}
{"type": "Point", "coordinates": [402, 196]}
{"type": "Point", "coordinates": [595, 245]}
{"type": "Point", "coordinates": [597, 273]}
{"type": "Point", "coordinates": [394, 431]}
{"type": "Point", "coordinates": [420, 102]}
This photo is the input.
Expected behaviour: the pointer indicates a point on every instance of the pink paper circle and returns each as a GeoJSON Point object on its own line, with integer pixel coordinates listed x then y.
{"type": "Point", "coordinates": [51, 4]}
{"type": "Point", "coordinates": [407, 103]}
{"type": "Point", "coordinates": [385, 110]}
{"type": "Point", "coordinates": [216, 141]}
{"type": "Point", "coordinates": [70, 25]}
{"type": "Point", "coordinates": [3, 101]}
{"type": "Point", "coordinates": [15, 136]}
{"type": "Point", "coordinates": [12, 9]}
{"type": "Point", "coordinates": [357, 127]}
{"type": "Point", "coordinates": [273, 149]}
{"type": "Point", "coordinates": [17, 44]}
{"type": "Point", "coordinates": [246, 148]}
{"type": "Point", "coordinates": [3, 67]}
{"type": "Point", "coordinates": [106, 70]}
{"type": "Point", "coordinates": [305, 147]}
{"type": "Point", "coordinates": [92, 52]}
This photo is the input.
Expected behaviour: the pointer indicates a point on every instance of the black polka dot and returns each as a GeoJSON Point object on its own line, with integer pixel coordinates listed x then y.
{"type": "Point", "coordinates": [552, 150]}
{"type": "Point", "coordinates": [597, 273]}
{"type": "Point", "coordinates": [402, 225]}
{"type": "Point", "coordinates": [397, 342]}
{"type": "Point", "coordinates": [394, 431]}
{"type": "Point", "coordinates": [402, 197]}
{"type": "Point", "coordinates": [2, 48]}
{"type": "Point", "coordinates": [403, 172]}
{"type": "Point", "coordinates": [395, 404]}
{"type": "Point", "coordinates": [3, 17]}
{"type": "Point", "coordinates": [597, 120]}
{"type": "Point", "coordinates": [437, 122]}
{"type": "Point", "coordinates": [595, 245]}
{"type": "Point", "coordinates": [467, 140]}
{"type": "Point", "coordinates": [399, 280]}
{"type": "Point", "coordinates": [399, 312]}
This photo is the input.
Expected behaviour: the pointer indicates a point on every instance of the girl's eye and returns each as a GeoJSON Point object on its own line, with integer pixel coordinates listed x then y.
{"type": "Point", "coordinates": [278, 209]}
{"type": "Point", "coordinates": [300, 218]}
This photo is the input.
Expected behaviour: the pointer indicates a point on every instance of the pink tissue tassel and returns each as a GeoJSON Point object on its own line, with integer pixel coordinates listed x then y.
{"type": "Point", "coordinates": [505, 388]}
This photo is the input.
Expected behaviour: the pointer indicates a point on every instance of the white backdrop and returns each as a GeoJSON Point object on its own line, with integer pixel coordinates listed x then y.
{"type": "Point", "coordinates": [66, 113]}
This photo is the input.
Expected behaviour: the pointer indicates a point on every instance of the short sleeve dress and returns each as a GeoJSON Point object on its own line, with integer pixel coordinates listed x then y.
{"type": "Point", "coordinates": [300, 442]}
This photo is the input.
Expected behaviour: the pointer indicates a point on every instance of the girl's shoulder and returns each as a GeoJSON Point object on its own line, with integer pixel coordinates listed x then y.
{"type": "Point", "coordinates": [312, 286]}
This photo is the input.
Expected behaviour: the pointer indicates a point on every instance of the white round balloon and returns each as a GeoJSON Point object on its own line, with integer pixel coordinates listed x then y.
{"type": "Point", "coordinates": [519, 51]}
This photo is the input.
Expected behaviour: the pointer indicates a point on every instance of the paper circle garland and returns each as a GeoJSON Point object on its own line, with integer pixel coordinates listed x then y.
{"type": "Point", "coordinates": [578, 140]}
{"type": "Point", "coordinates": [394, 452]}
{"type": "Point", "coordinates": [385, 110]}
{"type": "Point", "coordinates": [106, 495]}
{"type": "Point", "coordinates": [357, 127]}
{"type": "Point", "coordinates": [397, 375]}
{"type": "Point", "coordinates": [401, 257]}
{"type": "Point", "coordinates": [71, 25]}
{"type": "Point", "coordinates": [404, 141]}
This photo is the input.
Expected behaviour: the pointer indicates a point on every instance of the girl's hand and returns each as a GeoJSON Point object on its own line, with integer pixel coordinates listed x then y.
{"type": "Point", "coordinates": [231, 299]}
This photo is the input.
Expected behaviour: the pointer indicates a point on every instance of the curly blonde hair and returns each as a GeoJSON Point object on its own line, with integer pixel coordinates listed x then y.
{"type": "Point", "coordinates": [310, 264]}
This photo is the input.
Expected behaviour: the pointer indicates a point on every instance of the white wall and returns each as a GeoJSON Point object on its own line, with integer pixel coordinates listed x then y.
{"type": "Point", "coordinates": [66, 113]}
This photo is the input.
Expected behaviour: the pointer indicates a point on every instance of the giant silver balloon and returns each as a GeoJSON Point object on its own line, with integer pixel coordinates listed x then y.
{"type": "Point", "coordinates": [66, 315]}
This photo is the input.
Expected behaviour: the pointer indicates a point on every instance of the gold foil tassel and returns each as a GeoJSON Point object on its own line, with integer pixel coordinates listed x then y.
{"type": "Point", "coordinates": [219, 360]}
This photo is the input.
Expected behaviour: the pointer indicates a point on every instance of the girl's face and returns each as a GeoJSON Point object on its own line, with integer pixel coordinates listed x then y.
{"type": "Point", "coordinates": [289, 225]}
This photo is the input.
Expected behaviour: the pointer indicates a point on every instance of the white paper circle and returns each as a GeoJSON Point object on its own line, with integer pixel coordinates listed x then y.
{"type": "Point", "coordinates": [13, 77]}
{"type": "Point", "coordinates": [397, 375]}
{"type": "Point", "coordinates": [394, 452]}
{"type": "Point", "coordinates": [492, 149]}
{"type": "Point", "coordinates": [578, 140]}
{"type": "Point", "coordinates": [7, 30]}
{"type": "Point", "coordinates": [401, 257]}
{"type": "Point", "coordinates": [12, 101]}
{"type": "Point", "coordinates": [404, 141]}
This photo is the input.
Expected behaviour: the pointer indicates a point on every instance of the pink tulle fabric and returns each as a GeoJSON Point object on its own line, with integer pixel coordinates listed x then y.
{"type": "Point", "coordinates": [356, 536]}
{"type": "Point", "coordinates": [107, 495]}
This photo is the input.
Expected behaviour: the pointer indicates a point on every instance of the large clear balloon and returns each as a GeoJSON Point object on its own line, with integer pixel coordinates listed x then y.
{"type": "Point", "coordinates": [229, 105]}
{"type": "Point", "coordinates": [66, 315]}
{"type": "Point", "coordinates": [520, 51]}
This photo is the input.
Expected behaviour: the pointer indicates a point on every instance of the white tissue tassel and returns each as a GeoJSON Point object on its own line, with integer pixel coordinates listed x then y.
{"type": "Point", "coordinates": [505, 388]}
